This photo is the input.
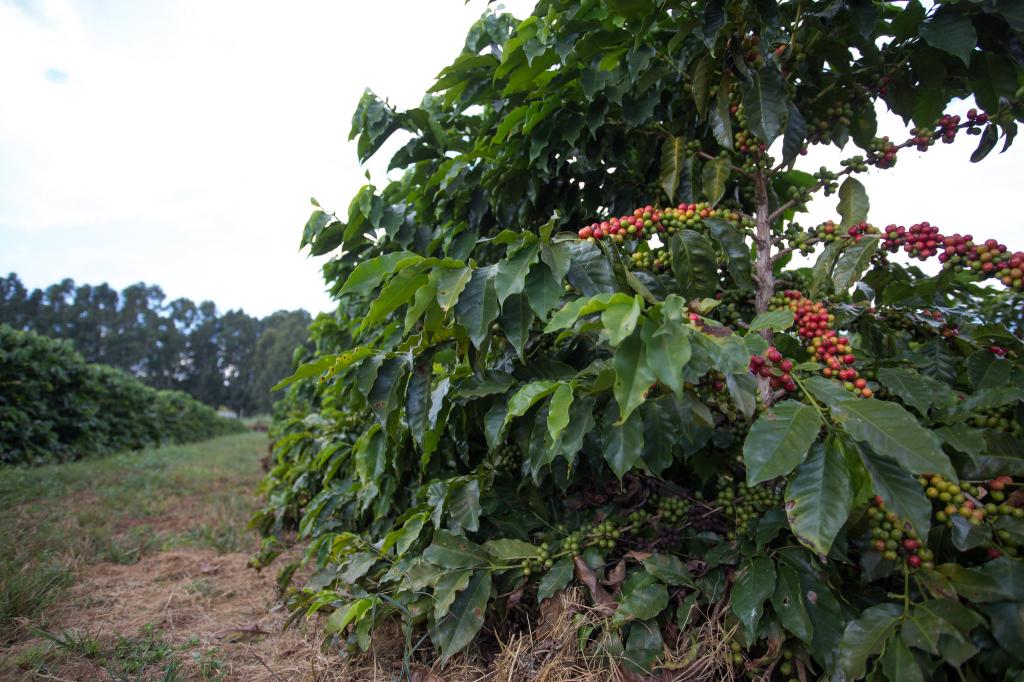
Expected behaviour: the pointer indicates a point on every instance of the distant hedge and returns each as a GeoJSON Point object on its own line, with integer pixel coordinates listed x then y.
{"type": "Point", "coordinates": [54, 406]}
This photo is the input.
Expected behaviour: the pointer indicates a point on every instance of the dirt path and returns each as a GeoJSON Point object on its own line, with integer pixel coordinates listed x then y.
{"type": "Point", "coordinates": [150, 551]}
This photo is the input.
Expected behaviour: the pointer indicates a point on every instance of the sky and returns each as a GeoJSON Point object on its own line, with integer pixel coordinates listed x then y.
{"type": "Point", "coordinates": [178, 142]}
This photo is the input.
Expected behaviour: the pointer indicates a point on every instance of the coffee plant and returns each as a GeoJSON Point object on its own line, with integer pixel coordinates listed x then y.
{"type": "Point", "coordinates": [54, 406]}
{"type": "Point", "coordinates": [572, 348]}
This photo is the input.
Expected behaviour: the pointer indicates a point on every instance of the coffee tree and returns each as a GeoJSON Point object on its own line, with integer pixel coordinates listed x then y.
{"type": "Point", "coordinates": [572, 348]}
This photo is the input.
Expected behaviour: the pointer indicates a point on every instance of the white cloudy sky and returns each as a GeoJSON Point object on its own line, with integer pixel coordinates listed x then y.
{"type": "Point", "coordinates": [178, 141]}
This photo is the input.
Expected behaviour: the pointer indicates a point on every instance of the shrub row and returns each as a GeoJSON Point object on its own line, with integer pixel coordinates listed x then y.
{"type": "Point", "coordinates": [54, 406]}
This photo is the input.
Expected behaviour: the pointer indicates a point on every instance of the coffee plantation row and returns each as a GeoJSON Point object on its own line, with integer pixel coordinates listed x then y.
{"type": "Point", "coordinates": [572, 350]}
{"type": "Point", "coordinates": [54, 406]}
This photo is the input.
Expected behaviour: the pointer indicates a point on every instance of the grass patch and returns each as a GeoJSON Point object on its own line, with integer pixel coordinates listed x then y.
{"type": "Point", "coordinates": [118, 509]}
{"type": "Point", "coordinates": [147, 655]}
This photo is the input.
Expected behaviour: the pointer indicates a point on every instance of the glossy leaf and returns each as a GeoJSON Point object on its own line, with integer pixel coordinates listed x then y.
{"type": "Point", "coordinates": [853, 205]}
{"type": "Point", "coordinates": [464, 619]}
{"type": "Point", "coordinates": [779, 440]}
{"type": "Point", "coordinates": [818, 498]}
{"type": "Point", "coordinates": [890, 429]}
{"type": "Point", "coordinates": [693, 262]}
{"type": "Point", "coordinates": [755, 583]}
{"type": "Point", "coordinates": [866, 637]}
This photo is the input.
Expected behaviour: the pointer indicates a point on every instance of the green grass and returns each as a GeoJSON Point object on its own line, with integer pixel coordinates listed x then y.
{"type": "Point", "coordinates": [118, 509]}
{"type": "Point", "coordinates": [147, 655]}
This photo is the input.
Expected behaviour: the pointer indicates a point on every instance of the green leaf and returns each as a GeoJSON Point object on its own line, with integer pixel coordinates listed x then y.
{"type": "Point", "coordinates": [917, 390]}
{"type": "Point", "coordinates": [672, 151]}
{"type": "Point", "coordinates": [395, 293]}
{"type": "Point", "coordinates": [828, 391]}
{"type": "Point", "coordinates": [633, 375]}
{"type": "Point", "coordinates": [464, 506]}
{"type": "Point", "coordinates": [668, 568]}
{"type": "Point", "coordinates": [714, 177]}
{"type": "Point", "coordinates": [1008, 626]}
{"type": "Point", "coordinates": [755, 583]}
{"type": "Point", "coordinates": [644, 646]}
{"type": "Point", "coordinates": [796, 132]}
{"type": "Point", "coordinates": [350, 613]}
{"type": "Point", "coordinates": [511, 275]}
{"type": "Point", "coordinates": [620, 319]}
{"type": "Point", "coordinates": [642, 600]}
{"type": "Point", "coordinates": [447, 588]}
{"type": "Point", "coordinates": [986, 144]}
{"type": "Point", "coordinates": [306, 370]}
{"type": "Point", "coordinates": [866, 637]}
{"type": "Point", "coordinates": [543, 291]}
{"type": "Point", "coordinates": [527, 396]}
{"type": "Point", "coordinates": [477, 307]}
{"type": "Point", "coordinates": [510, 549]}
{"type": "Point", "coordinates": [821, 274]}
{"type": "Point", "coordinates": [403, 538]}
{"type": "Point", "coordinates": [776, 320]}
{"type": "Point", "coordinates": [702, 73]}
{"type": "Point", "coordinates": [515, 320]}
{"type": "Point", "coordinates": [721, 118]}
{"type": "Point", "coordinates": [788, 604]}
{"type": "Point", "coordinates": [667, 350]}
{"type": "Point", "coordinates": [581, 307]}
{"type": "Point", "coordinates": [556, 578]}
{"type": "Point", "coordinates": [454, 551]}
{"type": "Point", "coordinates": [734, 247]}
{"type": "Point", "coordinates": [899, 489]}
{"type": "Point", "coordinates": [465, 618]}
{"type": "Point", "coordinates": [623, 443]}
{"type": "Point", "coordinates": [950, 31]}
{"type": "Point", "coordinates": [890, 429]}
{"type": "Point", "coordinates": [818, 498]}
{"type": "Point", "coordinates": [765, 103]}
{"type": "Point", "coordinates": [369, 274]}
{"type": "Point", "coordinates": [589, 270]}
{"type": "Point", "coordinates": [853, 204]}
{"type": "Point", "coordinates": [558, 410]}
{"type": "Point", "coordinates": [1001, 579]}
{"type": "Point", "coordinates": [778, 441]}
{"type": "Point", "coordinates": [853, 262]}
{"type": "Point", "coordinates": [899, 662]}
{"type": "Point", "coordinates": [450, 284]}
{"type": "Point", "coordinates": [694, 265]}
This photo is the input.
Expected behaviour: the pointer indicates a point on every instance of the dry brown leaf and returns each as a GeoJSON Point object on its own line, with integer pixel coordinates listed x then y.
{"type": "Point", "coordinates": [638, 556]}
{"type": "Point", "coordinates": [616, 575]}
{"type": "Point", "coordinates": [602, 600]}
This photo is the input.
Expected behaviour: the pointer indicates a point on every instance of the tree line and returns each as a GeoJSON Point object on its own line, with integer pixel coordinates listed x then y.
{"type": "Point", "coordinates": [229, 359]}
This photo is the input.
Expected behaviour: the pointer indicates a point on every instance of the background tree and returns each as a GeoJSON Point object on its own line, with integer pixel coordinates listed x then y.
{"type": "Point", "coordinates": [815, 464]}
{"type": "Point", "coordinates": [168, 344]}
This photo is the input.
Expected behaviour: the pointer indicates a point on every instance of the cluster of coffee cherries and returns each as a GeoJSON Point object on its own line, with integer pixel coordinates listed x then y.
{"type": "Point", "coordinates": [671, 509]}
{"type": "Point", "coordinates": [649, 220]}
{"type": "Point", "coordinates": [542, 562]}
{"type": "Point", "coordinates": [732, 305]}
{"type": "Point", "coordinates": [605, 534]}
{"type": "Point", "coordinates": [743, 504]}
{"type": "Point", "coordinates": [644, 222]}
{"type": "Point", "coordinates": [508, 457]}
{"type": "Point", "coordinates": [977, 504]}
{"type": "Point", "coordinates": [882, 152]}
{"type": "Point", "coordinates": [814, 325]}
{"type": "Point", "coordinates": [656, 260]}
{"type": "Point", "coordinates": [894, 538]}
{"type": "Point", "coordinates": [1001, 418]}
{"type": "Point", "coordinates": [958, 252]}
{"type": "Point", "coordinates": [775, 368]}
